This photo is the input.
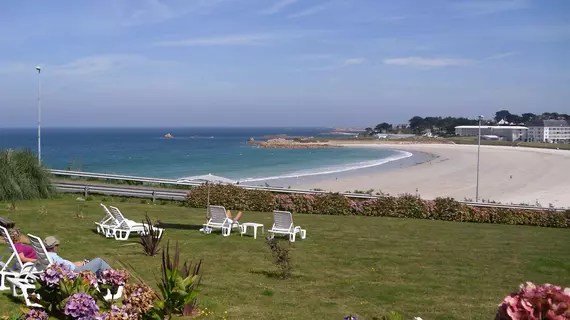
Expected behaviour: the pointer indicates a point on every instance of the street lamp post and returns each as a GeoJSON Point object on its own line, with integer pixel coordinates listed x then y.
{"type": "Point", "coordinates": [478, 156]}
{"type": "Point", "coordinates": [39, 116]}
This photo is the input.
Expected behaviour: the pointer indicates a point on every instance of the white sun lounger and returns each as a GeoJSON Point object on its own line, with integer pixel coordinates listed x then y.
{"type": "Point", "coordinates": [219, 220]}
{"type": "Point", "coordinates": [125, 226]}
{"type": "Point", "coordinates": [106, 223]}
{"type": "Point", "coordinates": [13, 267]}
{"type": "Point", "coordinates": [283, 224]}
{"type": "Point", "coordinates": [23, 289]}
{"type": "Point", "coordinates": [25, 286]}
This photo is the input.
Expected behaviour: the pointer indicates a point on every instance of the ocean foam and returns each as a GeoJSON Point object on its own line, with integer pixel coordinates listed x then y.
{"type": "Point", "coordinates": [334, 169]}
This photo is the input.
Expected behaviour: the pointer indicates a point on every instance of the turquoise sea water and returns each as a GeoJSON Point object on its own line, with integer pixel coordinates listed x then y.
{"type": "Point", "coordinates": [193, 151]}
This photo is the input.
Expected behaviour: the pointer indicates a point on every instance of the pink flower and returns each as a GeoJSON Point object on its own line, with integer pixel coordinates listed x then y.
{"type": "Point", "coordinates": [533, 302]}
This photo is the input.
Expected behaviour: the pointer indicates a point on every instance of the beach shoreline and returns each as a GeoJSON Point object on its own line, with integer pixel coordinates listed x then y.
{"type": "Point", "coordinates": [507, 174]}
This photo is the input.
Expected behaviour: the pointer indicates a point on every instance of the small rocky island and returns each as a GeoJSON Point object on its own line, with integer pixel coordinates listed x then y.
{"type": "Point", "coordinates": [168, 136]}
{"type": "Point", "coordinates": [280, 143]}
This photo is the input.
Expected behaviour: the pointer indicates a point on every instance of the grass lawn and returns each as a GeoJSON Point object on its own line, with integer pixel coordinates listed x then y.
{"type": "Point", "coordinates": [347, 265]}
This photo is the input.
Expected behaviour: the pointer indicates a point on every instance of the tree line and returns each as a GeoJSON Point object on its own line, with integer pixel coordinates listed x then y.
{"type": "Point", "coordinates": [446, 125]}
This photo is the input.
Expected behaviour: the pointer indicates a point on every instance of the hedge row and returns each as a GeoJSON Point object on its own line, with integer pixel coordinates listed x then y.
{"type": "Point", "coordinates": [405, 206]}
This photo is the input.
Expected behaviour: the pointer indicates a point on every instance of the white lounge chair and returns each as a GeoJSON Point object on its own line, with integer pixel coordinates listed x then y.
{"type": "Point", "coordinates": [283, 224]}
{"type": "Point", "coordinates": [124, 226]}
{"type": "Point", "coordinates": [25, 286]}
{"type": "Point", "coordinates": [107, 222]}
{"type": "Point", "coordinates": [13, 267]}
{"type": "Point", "coordinates": [219, 220]}
{"type": "Point", "coordinates": [43, 259]}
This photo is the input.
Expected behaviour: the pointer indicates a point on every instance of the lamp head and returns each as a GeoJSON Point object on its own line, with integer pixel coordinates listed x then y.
{"type": "Point", "coordinates": [481, 117]}
{"type": "Point", "coordinates": [38, 68]}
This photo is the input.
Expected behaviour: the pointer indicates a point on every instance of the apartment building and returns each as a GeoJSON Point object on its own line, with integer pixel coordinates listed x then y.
{"type": "Point", "coordinates": [508, 133]}
{"type": "Point", "coordinates": [551, 131]}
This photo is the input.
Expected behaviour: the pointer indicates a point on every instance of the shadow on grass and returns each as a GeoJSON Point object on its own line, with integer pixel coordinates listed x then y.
{"type": "Point", "coordinates": [273, 274]}
{"type": "Point", "coordinates": [178, 226]}
{"type": "Point", "coordinates": [16, 300]}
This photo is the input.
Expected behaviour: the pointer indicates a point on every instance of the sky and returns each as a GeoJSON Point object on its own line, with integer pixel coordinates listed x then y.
{"type": "Point", "coordinates": [279, 62]}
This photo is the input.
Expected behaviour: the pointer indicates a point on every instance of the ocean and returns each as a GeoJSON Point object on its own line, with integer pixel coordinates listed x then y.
{"type": "Point", "coordinates": [193, 151]}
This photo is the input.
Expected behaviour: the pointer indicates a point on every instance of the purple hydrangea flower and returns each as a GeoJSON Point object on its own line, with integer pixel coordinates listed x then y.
{"type": "Point", "coordinates": [36, 314]}
{"type": "Point", "coordinates": [115, 278]}
{"type": "Point", "coordinates": [56, 272]}
{"type": "Point", "coordinates": [118, 313]}
{"type": "Point", "coordinates": [89, 277]}
{"type": "Point", "coordinates": [81, 306]}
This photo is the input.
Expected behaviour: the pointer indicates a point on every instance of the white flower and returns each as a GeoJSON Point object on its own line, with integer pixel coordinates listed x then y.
{"type": "Point", "coordinates": [417, 318]}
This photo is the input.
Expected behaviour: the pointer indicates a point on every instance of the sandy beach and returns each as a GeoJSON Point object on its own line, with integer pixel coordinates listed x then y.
{"type": "Point", "coordinates": [507, 174]}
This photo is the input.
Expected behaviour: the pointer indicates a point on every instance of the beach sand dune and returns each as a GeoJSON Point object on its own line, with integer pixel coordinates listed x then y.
{"type": "Point", "coordinates": [507, 175]}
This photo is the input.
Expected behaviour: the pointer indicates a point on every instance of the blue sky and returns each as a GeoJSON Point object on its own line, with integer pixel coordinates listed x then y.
{"type": "Point", "coordinates": [280, 62]}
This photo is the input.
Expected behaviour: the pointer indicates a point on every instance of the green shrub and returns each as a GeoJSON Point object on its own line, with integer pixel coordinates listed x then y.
{"type": "Point", "coordinates": [404, 206]}
{"type": "Point", "coordinates": [332, 204]}
{"type": "Point", "coordinates": [280, 250]}
{"type": "Point", "coordinates": [22, 177]}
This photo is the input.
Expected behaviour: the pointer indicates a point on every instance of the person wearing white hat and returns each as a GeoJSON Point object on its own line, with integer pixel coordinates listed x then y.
{"type": "Point", "coordinates": [96, 265]}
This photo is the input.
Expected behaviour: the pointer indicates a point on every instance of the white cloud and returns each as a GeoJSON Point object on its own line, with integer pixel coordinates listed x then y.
{"type": "Point", "coordinates": [501, 56]}
{"type": "Point", "coordinates": [343, 64]}
{"type": "Point", "coordinates": [393, 18]}
{"type": "Point", "coordinates": [485, 7]}
{"type": "Point", "coordinates": [428, 62]}
{"type": "Point", "coordinates": [311, 10]}
{"type": "Point", "coordinates": [101, 63]}
{"type": "Point", "coordinates": [278, 6]}
{"type": "Point", "coordinates": [443, 62]}
{"type": "Point", "coordinates": [241, 39]}
{"type": "Point", "coordinates": [233, 40]}
{"type": "Point", "coordinates": [155, 11]}
{"type": "Point", "coordinates": [351, 61]}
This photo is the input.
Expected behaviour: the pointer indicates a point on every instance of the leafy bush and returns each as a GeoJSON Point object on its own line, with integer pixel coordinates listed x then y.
{"type": "Point", "coordinates": [332, 204]}
{"type": "Point", "coordinates": [281, 258]}
{"type": "Point", "coordinates": [22, 177]}
{"type": "Point", "coordinates": [404, 206]}
{"type": "Point", "coordinates": [178, 286]}
{"type": "Point", "coordinates": [151, 238]}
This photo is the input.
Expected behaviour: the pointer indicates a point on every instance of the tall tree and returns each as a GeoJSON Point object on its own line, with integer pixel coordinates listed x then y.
{"type": "Point", "coordinates": [528, 117]}
{"type": "Point", "coordinates": [500, 115]}
{"type": "Point", "coordinates": [514, 118]}
{"type": "Point", "coordinates": [416, 124]}
{"type": "Point", "coordinates": [382, 127]}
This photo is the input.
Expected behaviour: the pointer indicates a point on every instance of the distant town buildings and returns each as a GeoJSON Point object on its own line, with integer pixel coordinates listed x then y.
{"type": "Point", "coordinates": [508, 133]}
{"type": "Point", "coordinates": [551, 131]}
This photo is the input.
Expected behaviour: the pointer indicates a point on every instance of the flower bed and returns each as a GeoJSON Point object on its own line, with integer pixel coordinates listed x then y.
{"type": "Point", "coordinates": [404, 206]}
{"type": "Point", "coordinates": [63, 294]}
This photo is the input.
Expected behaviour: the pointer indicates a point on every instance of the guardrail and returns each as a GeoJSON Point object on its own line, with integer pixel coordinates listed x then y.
{"type": "Point", "coordinates": [121, 191]}
{"type": "Point", "coordinates": [154, 193]}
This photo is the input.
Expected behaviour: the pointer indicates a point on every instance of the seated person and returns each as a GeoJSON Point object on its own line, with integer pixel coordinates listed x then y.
{"type": "Point", "coordinates": [229, 215]}
{"type": "Point", "coordinates": [26, 252]}
{"type": "Point", "coordinates": [97, 265]}
{"type": "Point", "coordinates": [233, 220]}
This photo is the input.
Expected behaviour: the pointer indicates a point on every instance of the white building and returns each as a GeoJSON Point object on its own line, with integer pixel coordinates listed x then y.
{"type": "Point", "coordinates": [551, 131]}
{"type": "Point", "coordinates": [508, 133]}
